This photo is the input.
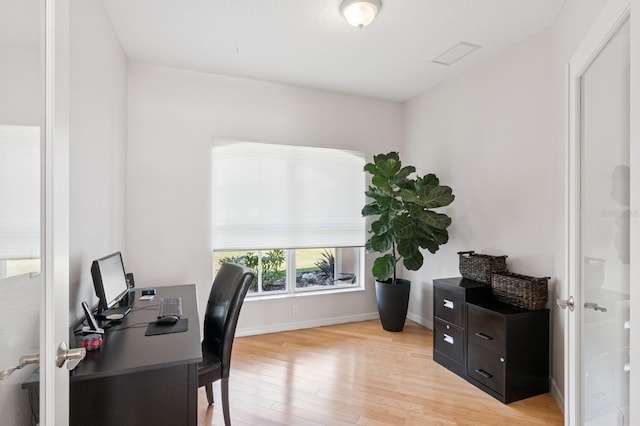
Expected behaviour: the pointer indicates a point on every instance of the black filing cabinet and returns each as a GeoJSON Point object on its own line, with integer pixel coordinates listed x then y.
{"type": "Point", "coordinates": [450, 296]}
{"type": "Point", "coordinates": [507, 350]}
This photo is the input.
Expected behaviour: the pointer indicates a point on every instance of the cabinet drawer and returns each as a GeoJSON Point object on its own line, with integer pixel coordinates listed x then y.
{"type": "Point", "coordinates": [486, 329]}
{"type": "Point", "coordinates": [486, 367]}
{"type": "Point", "coordinates": [449, 305]}
{"type": "Point", "coordinates": [449, 340]}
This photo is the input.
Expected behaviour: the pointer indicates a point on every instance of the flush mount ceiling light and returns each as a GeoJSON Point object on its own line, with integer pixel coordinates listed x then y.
{"type": "Point", "coordinates": [360, 13]}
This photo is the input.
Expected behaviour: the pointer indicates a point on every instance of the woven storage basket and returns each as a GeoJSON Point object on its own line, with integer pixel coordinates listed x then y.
{"type": "Point", "coordinates": [520, 290]}
{"type": "Point", "coordinates": [479, 267]}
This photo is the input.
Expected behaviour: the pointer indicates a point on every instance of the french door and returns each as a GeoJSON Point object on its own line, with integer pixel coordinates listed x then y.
{"type": "Point", "coordinates": [34, 260]}
{"type": "Point", "coordinates": [601, 218]}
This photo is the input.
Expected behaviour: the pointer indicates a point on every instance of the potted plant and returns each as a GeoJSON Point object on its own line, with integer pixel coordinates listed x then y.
{"type": "Point", "coordinates": [405, 224]}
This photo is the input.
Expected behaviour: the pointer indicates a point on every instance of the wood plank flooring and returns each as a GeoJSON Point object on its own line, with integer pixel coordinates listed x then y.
{"type": "Point", "coordinates": [358, 374]}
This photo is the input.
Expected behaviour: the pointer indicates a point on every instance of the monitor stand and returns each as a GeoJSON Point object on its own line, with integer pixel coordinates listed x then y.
{"type": "Point", "coordinates": [116, 311]}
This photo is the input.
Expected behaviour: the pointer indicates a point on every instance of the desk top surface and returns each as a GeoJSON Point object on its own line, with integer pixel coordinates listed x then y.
{"type": "Point", "coordinates": [125, 348]}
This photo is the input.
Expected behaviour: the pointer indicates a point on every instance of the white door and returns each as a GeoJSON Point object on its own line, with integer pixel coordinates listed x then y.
{"type": "Point", "coordinates": [597, 363]}
{"type": "Point", "coordinates": [34, 211]}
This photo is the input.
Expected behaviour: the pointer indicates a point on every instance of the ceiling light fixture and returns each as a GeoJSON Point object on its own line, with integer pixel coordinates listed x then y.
{"type": "Point", "coordinates": [360, 13]}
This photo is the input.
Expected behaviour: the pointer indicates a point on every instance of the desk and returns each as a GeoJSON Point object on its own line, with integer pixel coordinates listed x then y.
{"type": "Point", "coordinates": [141, 380]}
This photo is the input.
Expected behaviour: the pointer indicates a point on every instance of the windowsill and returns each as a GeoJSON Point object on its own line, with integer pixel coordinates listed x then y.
{"type": "Point", "coordinates": [302, 294]}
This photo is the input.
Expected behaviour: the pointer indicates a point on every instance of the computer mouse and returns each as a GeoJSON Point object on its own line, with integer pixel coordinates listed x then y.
{"type": "Point", "coordinates": [168, 320]}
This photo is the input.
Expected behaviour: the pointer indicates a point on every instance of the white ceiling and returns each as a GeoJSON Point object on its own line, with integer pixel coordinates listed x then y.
{"type": "Point", "coordinates": [309, 43]}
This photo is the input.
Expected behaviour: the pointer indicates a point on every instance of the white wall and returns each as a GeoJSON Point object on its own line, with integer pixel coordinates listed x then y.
{"type": "Point", "coordinates": [496, 135]}
{"type": "Point", "coordinates": [172, 117]}
{"type": "Point", "coordinates": [97, 138]}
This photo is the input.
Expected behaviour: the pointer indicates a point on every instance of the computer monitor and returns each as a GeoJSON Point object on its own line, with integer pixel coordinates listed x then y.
{"type": "Point", "coordinates": [109, 282]}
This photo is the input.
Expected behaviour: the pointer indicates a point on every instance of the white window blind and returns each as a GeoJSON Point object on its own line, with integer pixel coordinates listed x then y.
{"type": "Point", "coordinates": [280, 196]}
{"type": "Point", "coordinates": [19, 192]}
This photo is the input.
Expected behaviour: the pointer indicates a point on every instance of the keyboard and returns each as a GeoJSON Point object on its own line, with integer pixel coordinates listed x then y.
{"type": "Point", "coordinates": [170, 306]}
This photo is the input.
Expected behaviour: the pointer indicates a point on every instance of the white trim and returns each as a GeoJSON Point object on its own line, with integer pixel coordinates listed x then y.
{"type": "Point", "coordinates": [419, 319]}
{"type": "Point", "coordinates": [557, 394]}
{"type": "Point", "coordinates": [54, 321]}
{"type": "Point", "coordinates": [300, 325]}
{"type": "Point", "coordinates": [634, 94]}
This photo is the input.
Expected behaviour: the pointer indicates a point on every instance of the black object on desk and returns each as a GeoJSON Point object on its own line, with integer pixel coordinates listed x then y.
{"type": "Point", "coordinates": [134, 379]}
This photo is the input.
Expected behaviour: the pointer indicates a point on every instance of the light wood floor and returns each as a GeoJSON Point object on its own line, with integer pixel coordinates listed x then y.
{"type": "Point", "coordinates": [358, 374]}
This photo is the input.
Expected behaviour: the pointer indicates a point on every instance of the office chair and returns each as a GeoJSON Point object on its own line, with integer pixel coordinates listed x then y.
{"type": "Point", "coordinates": [221, 316]}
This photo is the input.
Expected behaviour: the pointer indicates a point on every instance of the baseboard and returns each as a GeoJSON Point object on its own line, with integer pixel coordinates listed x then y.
{"type": "Point", "coordinates": [299, 325]}
{"type": "Point", "coordinates": [428, 323]}
{"type": "Point", "coordinates": [557, 395]}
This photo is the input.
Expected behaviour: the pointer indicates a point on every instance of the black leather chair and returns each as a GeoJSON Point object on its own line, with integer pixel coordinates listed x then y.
{"type": "Point", "coordinates": [221, 316]}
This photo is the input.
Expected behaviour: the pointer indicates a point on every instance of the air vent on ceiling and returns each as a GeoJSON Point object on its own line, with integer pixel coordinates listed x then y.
{"type": "Point", "coordinates": [456, 53]}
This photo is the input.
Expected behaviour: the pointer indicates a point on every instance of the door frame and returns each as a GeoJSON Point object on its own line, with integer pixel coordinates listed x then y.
{"type": "Point", "coordinates": [613, 14]}
{"type": "Point", "coordinates": [54, 305]}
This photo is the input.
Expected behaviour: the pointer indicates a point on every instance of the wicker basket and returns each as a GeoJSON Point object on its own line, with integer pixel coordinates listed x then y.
{"type": "Point", "coordinates": [479, 267]}
{"type": "Point", "coordinates": [520, 290]}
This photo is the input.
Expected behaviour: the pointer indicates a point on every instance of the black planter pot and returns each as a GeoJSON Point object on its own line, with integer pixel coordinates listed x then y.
{"type": "Point", "coordinates": [393, 302]}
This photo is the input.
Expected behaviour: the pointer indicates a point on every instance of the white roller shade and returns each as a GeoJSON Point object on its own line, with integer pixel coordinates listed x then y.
{"type": "Point", "coordinates": [281, 196]}
{"type": "Point", "coordinates": [19, 192]}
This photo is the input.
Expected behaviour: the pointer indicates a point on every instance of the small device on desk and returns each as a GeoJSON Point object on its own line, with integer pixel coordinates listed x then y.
{"type": "Point", "coordinates": [91, 320]}
{"type": "Point", "coordinates": [111, 286]}
{"type": "Point", "coordinates": [147, 293]}
{"type": "Point", "coordinates": [168, 320]}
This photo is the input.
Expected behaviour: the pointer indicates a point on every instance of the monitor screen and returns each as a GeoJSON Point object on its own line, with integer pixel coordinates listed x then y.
{"type": "Point", "coordinates": [109, 280]}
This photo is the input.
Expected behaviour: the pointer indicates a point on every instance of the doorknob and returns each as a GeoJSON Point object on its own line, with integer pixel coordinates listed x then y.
{"type": "Point", "coordinates": [594, 306]}
{"type": "Point", "coordinates": [565, 303]}
{"type": "Point", "coordinates": [74, 356]}
{"type": "Point", "coordinates": [24, 360]}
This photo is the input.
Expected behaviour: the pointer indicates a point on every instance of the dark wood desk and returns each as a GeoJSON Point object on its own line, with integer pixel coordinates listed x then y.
{"type": "Point", "coordinates": [141, 380]}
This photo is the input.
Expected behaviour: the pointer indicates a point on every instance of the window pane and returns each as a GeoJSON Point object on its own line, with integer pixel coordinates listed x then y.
{"type": "Point", "coordinates": [274, 270]}
{"type": "Point", "coordinates": [271, 264]}
{"type": "Point", "coordinates": [326, 268]}
{"type": "Point", "coordinates": [314, 268]}
{"type": "Point", "coordinates": [246, 258]}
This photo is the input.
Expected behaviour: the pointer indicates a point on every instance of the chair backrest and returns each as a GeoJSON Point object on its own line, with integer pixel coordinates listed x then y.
{"type": "Point", "coordinates": [223, 309]}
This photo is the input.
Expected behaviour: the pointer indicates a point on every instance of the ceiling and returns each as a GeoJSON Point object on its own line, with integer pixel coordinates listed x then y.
{"type": "Point", "coordinates": [309, 43]}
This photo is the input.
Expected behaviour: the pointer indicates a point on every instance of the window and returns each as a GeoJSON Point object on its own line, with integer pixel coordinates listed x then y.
{"type": "Point", "coordinates": [307, 200]}
{"type": "Point", "coordinates": [310, 269]}
{"type": "Point", "coordinates": [19, 200]}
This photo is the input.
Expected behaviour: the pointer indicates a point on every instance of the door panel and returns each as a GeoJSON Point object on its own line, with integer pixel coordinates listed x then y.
{"type": "Point", "coordinates": [21, 129]}
{"type": "Point", "coordinates": [604, 232]}
{"type": "Point", "coordinates": [597, 356]}
{"type": "Point", "coordinates": [34, 253]}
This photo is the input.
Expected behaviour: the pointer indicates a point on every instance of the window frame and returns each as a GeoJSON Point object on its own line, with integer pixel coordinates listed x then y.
{"type": "Point", "coordinates": [291, 288]}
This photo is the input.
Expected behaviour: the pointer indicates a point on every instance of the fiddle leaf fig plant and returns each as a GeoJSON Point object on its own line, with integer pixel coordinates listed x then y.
{"type": "Point", "coordinates": [405, 220]}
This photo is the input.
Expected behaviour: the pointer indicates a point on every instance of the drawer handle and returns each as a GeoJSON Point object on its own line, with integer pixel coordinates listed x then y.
{"type": "Point", "coordinates": [484, 336]}
{"type": "Point", "coordinates": [483, 373]}
{"type": "Point", "coordinates": [448, 339]}
{"type": "Point", "coordinates": [448, 304]}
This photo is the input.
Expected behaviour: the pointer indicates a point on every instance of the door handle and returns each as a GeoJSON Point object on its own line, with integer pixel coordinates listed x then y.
{"type": "Point", "coordinates": [74, 356]}
{"type": "Point", "coordinates": [483, 373]}
{"type": "Point", "coordinates": [594, 306]}
{"type": "Point", "coordinates": [24, 360]}
{"type": "Point", "coordinates": [566, 303]}
{"type": "Point", "coordinates": [483, 336]}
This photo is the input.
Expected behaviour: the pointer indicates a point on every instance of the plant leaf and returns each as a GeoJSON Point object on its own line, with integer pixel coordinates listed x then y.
{"type": "Point", "coordinates": [432, 219]}
{"type": "Point", "coordinates": [383, 267]}
{"type": "Point", "coordinates": [413, 263]}
{"type": "Point", "coordinates": [382, 242]}
{"type": "Point", "coordinates": [371, 209]}
{"type": "Point", "coordinates": [407, 247]}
